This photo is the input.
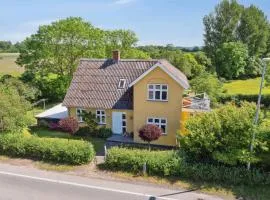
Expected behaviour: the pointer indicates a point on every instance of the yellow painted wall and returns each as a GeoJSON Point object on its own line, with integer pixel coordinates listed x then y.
{"type": "Point", "coordinates": [171, 109]}
{"type": "Point", "coordinates": [129, 115]}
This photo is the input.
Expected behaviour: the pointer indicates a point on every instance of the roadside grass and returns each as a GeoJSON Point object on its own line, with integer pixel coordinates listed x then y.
{"type": "Point", "coordinates": [224, 191]}
{"type": "Point", "coordinates": [8, 65]}
{"type": "Point", "coordinates": [54, 167]}
{"type": "Point", "coordinates": [98, 143]}
{"type": "Point", "coordinates": [249, 86]}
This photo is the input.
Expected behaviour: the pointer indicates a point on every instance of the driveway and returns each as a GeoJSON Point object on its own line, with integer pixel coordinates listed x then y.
{"type": "Point", "coordinates": [20, 182]}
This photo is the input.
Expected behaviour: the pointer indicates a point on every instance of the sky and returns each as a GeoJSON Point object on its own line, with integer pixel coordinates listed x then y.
{"type": "Point", "coordinates": [157, 22]}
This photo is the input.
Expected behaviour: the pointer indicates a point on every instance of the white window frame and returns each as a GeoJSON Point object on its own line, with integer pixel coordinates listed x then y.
{"type": "Point", "coordinates": [124, 120]}
{"type": "Point", "coordinates": [159, 124]}
{"type": "Point", "coordinates": [154, 91]}
{"type": "Point", "coordinates": [122, 80]}
{"type": "Point", "coordinates": [99, 116]}
{"type": "Point", "coordinates": [79, 112]}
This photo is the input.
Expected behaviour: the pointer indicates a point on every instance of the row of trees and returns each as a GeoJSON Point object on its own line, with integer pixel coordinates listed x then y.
{"type": "Point", "coordinates": [8, 47]}
{"type": "Point", "coordinates": [235, 38]}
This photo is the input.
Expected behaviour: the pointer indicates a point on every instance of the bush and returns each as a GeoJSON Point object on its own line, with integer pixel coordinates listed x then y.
{"type": "Point", "coordinates": [47, 149]}
{"type": "Point", "coordinates": [149, 133]}
{"type": "Point", "coordinates": [69, 125]}
{"type": "Point", "coordinates": [104, 132]}
{"type": "Point", "coordinates": [245, 97]}
{"type": "Point", "coordinates": [171, 163]}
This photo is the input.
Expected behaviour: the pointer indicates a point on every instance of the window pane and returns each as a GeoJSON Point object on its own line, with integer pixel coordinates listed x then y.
{"type": "Point", "coordinates": [163, 128]}
{"type": "Point", "coordinates": [150, 120]}
{"type": "Point", "coordinates": [156, 120]}
{"type": "Point", "coordinates": [124, 130]}
{"type": "Point", "coordinates": [123, 116]}
{"type": "Point", "coordinates": [151, 87]}
{"type": "Point", "coordinates": [157, 87]}
{"type": "Point", "coordinates": [103, 119]}
{"type": "Point", "coordinates": [157, 95]}
{"type": "Point", "coordinates": [103, 112]}
{"type": "Point", "coordinates": [151, 95]}
{"type": "Point", "coordinates": [98, 112]}
{"type": "Point", "coordinates": [164, 87]}
{"type": "Point", "coordinates": [163, 121]}
{"type": "Point", "coordinates": [164, 95]}
{"type": "Point", "coordinates": [124, 123]}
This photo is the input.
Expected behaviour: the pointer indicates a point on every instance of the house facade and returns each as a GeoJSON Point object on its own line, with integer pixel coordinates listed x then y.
{"type": "Point", "coordinates": [126, 94]}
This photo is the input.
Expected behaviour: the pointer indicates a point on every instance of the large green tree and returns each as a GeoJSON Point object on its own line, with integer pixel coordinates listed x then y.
{"type": "Point", "coordinates": [231, 59]}
{"type": "Point", "coordinates": [253, 30]}
{"type": "Point", "coordinates": [220, 26]}
{"type": "Point", "coordinates": [57, 48]}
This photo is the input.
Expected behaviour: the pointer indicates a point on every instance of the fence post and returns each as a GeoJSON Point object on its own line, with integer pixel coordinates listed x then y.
{"type": "Point", "coordinates": [144, 168]}
{"type": "Point", "coordinates": [105, 152]}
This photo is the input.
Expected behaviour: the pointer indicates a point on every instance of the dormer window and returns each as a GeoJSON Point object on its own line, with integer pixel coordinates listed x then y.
{"type": "Point", "coordinates": [122, 83]}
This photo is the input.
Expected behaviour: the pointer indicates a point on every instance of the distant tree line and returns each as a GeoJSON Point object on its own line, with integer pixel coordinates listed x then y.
{"type": "Point", "coordinates": [9, 47]}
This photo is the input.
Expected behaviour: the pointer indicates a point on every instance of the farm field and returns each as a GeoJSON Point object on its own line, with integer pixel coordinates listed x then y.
{"type": "Point", "coordinates": [8, 65]}
{"type": "Point", "coordinates": [249, 86]}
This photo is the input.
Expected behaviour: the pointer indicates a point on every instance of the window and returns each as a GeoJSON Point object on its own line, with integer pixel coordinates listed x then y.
{"type": "Point", "coordinates": [101, 116]}
{"type": "Point", "coordinates": [158, 92]}
{"type": "Point", "coordinates": [79, 112]}
{"type": "Point", "coordinates": [160, 122]}
{"type": "Point", "coordinates": [124, 123]}
{"type": "Point", "coordinates": [122, 84]}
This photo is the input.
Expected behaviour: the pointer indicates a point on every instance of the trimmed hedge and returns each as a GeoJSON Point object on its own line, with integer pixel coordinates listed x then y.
{"type": "Point", "coordinates": [244, 97]}
{"type": "Point", "coordinates": [47, 149]}
{"type": "Point", "coordinates": [170, 163]}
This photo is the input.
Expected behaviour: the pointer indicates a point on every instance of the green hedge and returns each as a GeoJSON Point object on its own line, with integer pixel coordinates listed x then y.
{"type": "Point", "coordinates": [47, 149]}
{"type": "Point", "coordinates": [244, 97]}
{"type": "Point", "coordinates": [170, 163]}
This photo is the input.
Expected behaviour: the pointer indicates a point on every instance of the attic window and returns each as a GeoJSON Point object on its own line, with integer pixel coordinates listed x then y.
{"type": "Point", "coordinates": [122, 83]}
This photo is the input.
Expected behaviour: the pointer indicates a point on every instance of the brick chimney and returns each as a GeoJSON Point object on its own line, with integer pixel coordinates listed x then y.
{"type": "Point", "coordinates": [116, 55]}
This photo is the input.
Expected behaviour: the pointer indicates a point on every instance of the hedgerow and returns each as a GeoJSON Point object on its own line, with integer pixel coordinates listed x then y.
{"type": "Point", "coordinates": [171, 163]}
{"type": "Point", "coordinates": [47, 149]}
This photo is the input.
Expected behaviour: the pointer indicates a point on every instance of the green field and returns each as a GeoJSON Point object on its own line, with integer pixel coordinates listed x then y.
{"type": "Point", "coordinates": [249, 86]}
{"type": "Point", "coordinates": [8, 65]}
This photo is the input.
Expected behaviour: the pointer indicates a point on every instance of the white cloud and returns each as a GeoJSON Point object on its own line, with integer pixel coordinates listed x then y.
{"type": "Point", "coordinates": [122, 2]}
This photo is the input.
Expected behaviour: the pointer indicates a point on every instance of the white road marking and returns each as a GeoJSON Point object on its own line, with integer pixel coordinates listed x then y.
{"type": "Point", "coordinates": [82, 185]}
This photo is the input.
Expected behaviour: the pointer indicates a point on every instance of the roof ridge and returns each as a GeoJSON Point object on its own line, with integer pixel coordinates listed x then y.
{"type": "Point", "coordinates": [121, 60]}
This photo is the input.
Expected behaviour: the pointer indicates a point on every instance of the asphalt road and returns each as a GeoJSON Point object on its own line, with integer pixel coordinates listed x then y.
{"type": "Point", "coordinates": [32, 184]}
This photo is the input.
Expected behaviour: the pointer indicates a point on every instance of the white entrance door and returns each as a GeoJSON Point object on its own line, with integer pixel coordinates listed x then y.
{"type": "Point", "coordinates": [117, 122]}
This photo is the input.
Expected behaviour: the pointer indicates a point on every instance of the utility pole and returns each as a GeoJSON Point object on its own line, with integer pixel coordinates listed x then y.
{"type": "Point", "coordinates": [264, 60]}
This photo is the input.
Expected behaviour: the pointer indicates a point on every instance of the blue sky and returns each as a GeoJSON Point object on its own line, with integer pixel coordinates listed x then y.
{"type": "Point", "coordinates": [177, 22]}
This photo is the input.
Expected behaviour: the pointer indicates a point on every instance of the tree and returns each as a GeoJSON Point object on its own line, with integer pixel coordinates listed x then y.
{"type": "Point", "coordinates": [91, 121]}
{"type": "Point", "coordinates": [57, 48]}
{"type": "Point", "coordinates": [231, 60]}
{"type": "Point", "coordinates": [149, 133]}
{"type": "Point", "coordinates": [253, 30]}
{"type": "Point", "coordinates": [13, 110]}
{"type": "Point", "coordinates": [25, 90]}
{"type": "Point", "coordinates": [207, 83]}
{"type": "Point", "coordinates": [223, 135]}
{"type": "Point", "coordinates": [220, 26]}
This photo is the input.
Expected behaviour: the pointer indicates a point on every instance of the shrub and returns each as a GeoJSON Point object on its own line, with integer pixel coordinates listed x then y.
{"type": "Point", "coordinates": [150, 133]}
{"type": "Point", "coordinates": [171, 163]}
{"type": "Point", "coordinates": [245, 97]}
{"type": "Point", "coordinates": [222, 135]}
{"type": "Point", "coordinates": [104, 132]}
{"type": "Point", "coordinates": [47, 149]}
{"type": "Point", "coordinates": [54, 126]}
{"type": "Point", "coordinates": [69, 125]}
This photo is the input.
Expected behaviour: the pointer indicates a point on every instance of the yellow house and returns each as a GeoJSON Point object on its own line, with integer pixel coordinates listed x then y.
{"type": "Point", "coordinates": [126, 94]}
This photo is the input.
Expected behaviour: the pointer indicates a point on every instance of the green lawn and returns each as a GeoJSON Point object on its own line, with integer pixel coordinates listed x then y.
{"type": "Point", "coordinates": [8, 65]}
{"type": "Point", "coordinates": [249, 86]}
{"type": "Point", "coordinates": [43, 132]}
